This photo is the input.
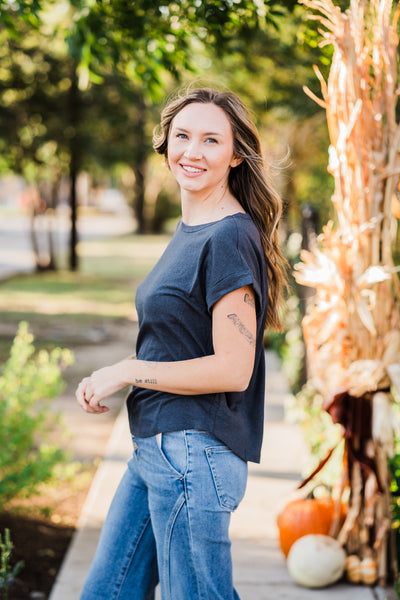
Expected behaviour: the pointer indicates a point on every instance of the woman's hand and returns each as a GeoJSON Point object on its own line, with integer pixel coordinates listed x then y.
{"type": "Point", "coordinates": [100, 385]}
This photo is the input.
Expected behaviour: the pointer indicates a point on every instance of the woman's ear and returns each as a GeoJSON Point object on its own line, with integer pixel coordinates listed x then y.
{"type": "Point", "coordinates": [236, 160]}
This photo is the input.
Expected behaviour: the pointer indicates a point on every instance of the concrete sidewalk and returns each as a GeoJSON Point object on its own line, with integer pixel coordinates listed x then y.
{"type": "Point", "coordinates": [259, 567]}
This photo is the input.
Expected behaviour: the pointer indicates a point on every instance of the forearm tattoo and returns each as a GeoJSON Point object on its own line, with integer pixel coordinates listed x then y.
{"type": "Point", "coordinates": [249, 300]}
{"type": "Point", "coordinates": [249, 337]}
{"type": "Point", "coordinates": [146, 380]}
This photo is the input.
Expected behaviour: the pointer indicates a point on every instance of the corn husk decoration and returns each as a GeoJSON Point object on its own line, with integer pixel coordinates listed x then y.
{"type": "Point", "coordinates": [352, 328]}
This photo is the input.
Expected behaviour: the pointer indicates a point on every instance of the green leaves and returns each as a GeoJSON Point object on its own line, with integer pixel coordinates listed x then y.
{"type": "Point", "coordinates": [22, 10]}
{"type": "Point", "coordinates": [7, 573]}
{"type": "Point", "coordinates": [145, 38]}
{"type": "Point", "coordinates": [28, 382]}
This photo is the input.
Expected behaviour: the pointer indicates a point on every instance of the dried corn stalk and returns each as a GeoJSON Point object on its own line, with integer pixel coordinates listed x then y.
{"type": "Point", "coordinates": [352, 329]}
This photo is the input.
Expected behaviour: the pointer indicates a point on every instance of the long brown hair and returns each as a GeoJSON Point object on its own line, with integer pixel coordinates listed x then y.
{"type": "Point", "coordinates": [249, 182]}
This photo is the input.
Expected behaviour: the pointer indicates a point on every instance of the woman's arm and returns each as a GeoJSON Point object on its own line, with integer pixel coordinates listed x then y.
{"type": "Point", "coordinates": [229, 369]}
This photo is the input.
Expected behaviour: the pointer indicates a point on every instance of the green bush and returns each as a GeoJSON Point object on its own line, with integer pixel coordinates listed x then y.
{"type": "Point", "coordinates": [7, 573]}
{"type": "Point", "coordinates": [28, 382]}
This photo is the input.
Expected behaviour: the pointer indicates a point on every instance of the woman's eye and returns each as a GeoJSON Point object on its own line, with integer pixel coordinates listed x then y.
{"type": "Point", "coordinates": [181, 136]}
{"type": "Point", "coordinates": [211, 141]}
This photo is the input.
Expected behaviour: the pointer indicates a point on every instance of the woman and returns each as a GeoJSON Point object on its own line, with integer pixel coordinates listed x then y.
{"type": "Point", "coordinates": [196, 406]}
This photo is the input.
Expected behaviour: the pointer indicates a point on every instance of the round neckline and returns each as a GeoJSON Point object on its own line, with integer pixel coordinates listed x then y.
{"type": "Point", "coordinates": [186, 227]}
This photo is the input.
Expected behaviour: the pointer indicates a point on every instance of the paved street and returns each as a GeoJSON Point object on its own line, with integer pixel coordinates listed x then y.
{"type": "Point", "coordinates": [16, 254]}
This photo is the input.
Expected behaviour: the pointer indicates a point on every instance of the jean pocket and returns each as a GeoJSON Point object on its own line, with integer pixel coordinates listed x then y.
{"type": "Point", "coordinates": [173, 449]}
{"type": "Point", "coordinates": [135, 448]}
{"type": "Point", "coordinates": [229, 473]}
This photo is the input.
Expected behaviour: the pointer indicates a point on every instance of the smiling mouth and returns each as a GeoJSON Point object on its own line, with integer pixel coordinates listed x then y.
{"type": "Point", "coordinates": [192, 169]}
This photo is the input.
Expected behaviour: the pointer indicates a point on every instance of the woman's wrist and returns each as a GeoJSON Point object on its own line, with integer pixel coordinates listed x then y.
{"type": "Point", "coordinates": [126, 371]}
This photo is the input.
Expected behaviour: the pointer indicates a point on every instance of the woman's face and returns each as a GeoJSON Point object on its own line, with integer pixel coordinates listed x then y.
{"type": "Point", "coordinates": [200, 148]}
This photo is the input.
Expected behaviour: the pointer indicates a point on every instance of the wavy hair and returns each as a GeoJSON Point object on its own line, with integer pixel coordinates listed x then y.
{"type": "Point", "coordinates": [249, 182]}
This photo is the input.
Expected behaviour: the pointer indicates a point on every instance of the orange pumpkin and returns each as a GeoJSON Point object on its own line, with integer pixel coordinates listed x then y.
{"type": "Point", "coordinates": [303, 517]}
{"type": "Point", "coordinates": [395, 207]}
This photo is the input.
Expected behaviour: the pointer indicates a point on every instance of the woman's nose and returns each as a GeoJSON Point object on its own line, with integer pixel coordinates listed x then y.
{"type": "Point", "coordinates": [193, 150]}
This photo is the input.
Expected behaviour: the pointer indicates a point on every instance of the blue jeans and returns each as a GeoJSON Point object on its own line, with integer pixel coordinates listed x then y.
{"type": "Point", "coordinates": [169, 522]}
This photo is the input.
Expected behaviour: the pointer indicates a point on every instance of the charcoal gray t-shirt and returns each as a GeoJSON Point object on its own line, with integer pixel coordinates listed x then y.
{"type": "Point", "coordinates": [201, 264]}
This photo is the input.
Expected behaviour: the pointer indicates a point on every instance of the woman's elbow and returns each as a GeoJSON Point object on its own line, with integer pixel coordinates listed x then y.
{"type": "Point", "coordinates": [239, 388]}
{"type": "Point", "coordinates": [240, 379]}
{"type": "Point", "coordinates": [234, 371]}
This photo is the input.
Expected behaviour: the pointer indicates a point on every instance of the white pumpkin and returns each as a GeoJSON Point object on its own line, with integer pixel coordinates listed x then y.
{"type": "Point", "coordinates": [316, 561]}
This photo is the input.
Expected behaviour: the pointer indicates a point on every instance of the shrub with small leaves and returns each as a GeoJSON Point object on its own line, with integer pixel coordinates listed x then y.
{"type": "Point", "coordinates": [7, 573]}
{"type": "Point", "coordinates": [29, 381]}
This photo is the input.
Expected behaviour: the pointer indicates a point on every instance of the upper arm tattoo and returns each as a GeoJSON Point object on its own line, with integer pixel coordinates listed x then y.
{"type": "Point", "coordinates": [249, 300]}
{"type": "Point", "coordinates": [249, 337]}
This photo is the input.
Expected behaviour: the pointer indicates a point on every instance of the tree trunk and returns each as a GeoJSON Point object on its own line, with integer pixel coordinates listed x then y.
{"type": "Point", "coordinates": [73, 241]}
{"type": "Point", "coordinates": [34, 240]}
{"type": "Point", "coordinates": [139, 190]}
{"type": "Point", "coordinates": [52, 205]}
{"type": "Point", "coordinates": [73, 170]}
{"type": "Point", "coordinates": [42, 208]}
{"type": "Point", "coordinates": [139, 166]}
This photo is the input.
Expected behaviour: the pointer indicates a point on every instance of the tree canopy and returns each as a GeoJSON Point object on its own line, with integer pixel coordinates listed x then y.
{"type": "Point", "coordinates": [82, 81]}
{"type": "Point", "coordinates": [145, 38]}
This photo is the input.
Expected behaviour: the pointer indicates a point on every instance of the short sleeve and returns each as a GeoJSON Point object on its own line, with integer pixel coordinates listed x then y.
{"type": "Point", "coordinates": [226, 267]}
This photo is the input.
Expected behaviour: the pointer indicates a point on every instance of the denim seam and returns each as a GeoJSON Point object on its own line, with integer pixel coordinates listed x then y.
{"type": "Point", "coordinates": [169, 529]}
{"type": "Point", "coordinates": [135, 544]}
{"type": "Point", "coordinates": [192, 545]}
{"type": "Point", "coordinates": [182, 500]}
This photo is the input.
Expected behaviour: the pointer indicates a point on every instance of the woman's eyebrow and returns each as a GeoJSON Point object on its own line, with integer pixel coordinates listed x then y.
{"type": "Point", "coordinates": [182, 130]}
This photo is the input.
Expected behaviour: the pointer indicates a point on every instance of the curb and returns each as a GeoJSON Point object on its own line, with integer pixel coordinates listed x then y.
{"type": "Point", "coordinates": [74, 569]}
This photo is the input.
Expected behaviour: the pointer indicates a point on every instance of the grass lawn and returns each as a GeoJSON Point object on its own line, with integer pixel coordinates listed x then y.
{"type": "Point", "coordinates": [64, 305]}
